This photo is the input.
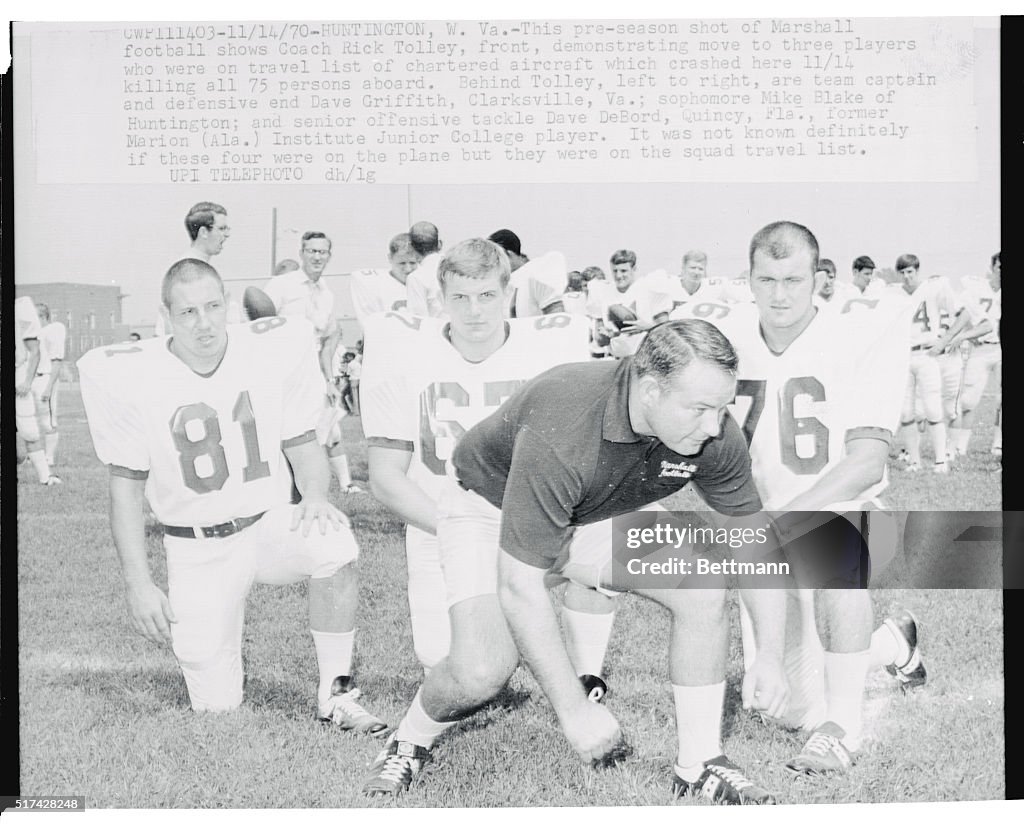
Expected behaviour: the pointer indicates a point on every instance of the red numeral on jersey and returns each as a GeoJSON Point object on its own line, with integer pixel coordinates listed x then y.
{"type": "Point", "coordinates": [433, 427]}
{"type": "Point", "coordinates": [555, 321]}
{"type": "Point", "coordinates": [710, 310]}
{"type": "Point", "coordinates": [921, 317]}
{"type": "Point", "coordinates": [266, 324]}
{"type": "Point", "coordinates": [789, 425]}
{"type": "Point", "coordinates": [410, 321]}
{"type": "Point", "coordinates": [189, 450]}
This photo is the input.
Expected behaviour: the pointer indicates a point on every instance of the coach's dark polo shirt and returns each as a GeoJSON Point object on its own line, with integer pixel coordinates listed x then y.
{"type": "Point", "coordinates": [561, 452]}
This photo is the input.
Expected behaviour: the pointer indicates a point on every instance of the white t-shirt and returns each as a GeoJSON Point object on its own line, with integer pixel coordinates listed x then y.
{"type": "Point", "coordinates": [209, 447]}
{"type": "Point", "coordinates": [52, 345]}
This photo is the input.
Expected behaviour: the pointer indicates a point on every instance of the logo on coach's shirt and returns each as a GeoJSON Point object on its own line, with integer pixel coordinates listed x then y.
{"type": "Point", "coordinates": [680, 470]}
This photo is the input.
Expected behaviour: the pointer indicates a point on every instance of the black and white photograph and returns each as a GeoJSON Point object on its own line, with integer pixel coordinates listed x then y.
{"type": "Point", "coordinates": [506, 412]}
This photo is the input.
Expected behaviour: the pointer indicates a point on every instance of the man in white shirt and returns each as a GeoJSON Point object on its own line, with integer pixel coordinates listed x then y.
{"type": "Point", "coordinates": [303, 294]}
{"type": "Point", "coordinates": [52, 340]}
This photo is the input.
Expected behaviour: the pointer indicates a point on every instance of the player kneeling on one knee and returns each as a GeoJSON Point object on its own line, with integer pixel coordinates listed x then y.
{"type": "Point", "coordinates": [200, 426]}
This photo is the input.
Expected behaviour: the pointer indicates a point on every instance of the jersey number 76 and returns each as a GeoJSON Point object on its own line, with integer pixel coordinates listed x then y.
{"type": "Point", "coordinates": [789, 425]}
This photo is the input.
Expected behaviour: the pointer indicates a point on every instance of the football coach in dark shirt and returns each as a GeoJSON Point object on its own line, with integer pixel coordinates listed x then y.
{"type": "Point", "coordinates": [577, 445]}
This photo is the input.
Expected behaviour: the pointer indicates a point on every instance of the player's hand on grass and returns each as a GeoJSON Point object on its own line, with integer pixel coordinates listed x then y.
{"type": "Point", "coordinates": [592, 730]}
{"type": "Point", "coordinates": [150, 613]}
{"type": "Point", "coordinates": [319, 511]}
{"type": "Point", "coordinates": [765, 687]}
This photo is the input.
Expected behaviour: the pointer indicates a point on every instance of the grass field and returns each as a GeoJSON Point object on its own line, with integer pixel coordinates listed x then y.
{"type": "Point", "coordinates": [126, 737]}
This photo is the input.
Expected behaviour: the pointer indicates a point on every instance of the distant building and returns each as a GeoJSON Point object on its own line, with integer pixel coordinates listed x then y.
{"type": "Point", "coordinates": [91, 313]}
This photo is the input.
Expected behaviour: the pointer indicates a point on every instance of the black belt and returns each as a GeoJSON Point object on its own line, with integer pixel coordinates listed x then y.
{"type": "Point", "coordinates": [214, 531]}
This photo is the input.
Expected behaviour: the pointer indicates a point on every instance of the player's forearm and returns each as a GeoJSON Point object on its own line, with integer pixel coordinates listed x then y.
{"type": "Point", "coordinates": [531, 619]}
{"type": "Point", "coordinates": [767, 609]}
{"type": "Point", "coordinates": [847, 480]}
{"type": "Point", "coordinates": [310, 468]}
{"type": "Point", "coordinates": [326, 357]}
{"type": "Point", "coordinates": [984, 328]}
{"type": "Point", "coordinates": [404, 498]}
{"type": "Point", "coordinates": [127, 525]}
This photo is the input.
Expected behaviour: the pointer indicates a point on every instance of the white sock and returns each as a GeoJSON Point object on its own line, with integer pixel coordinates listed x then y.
{"type": "Point", "coordinates": [844, 693]}
{"type": "Point", "coordinates": [38, 459]}
{"type": "Point", "coordinates": [50, 440]}
{"type": "Point", "coordinates": [417, 727]}
{"type": "Point", "coordinates": [997, 437]}
{"type": "Point", "coordinates": [953, 435]}
{"type": "Point", "coordinates": [911, 441]}
{"type": "Point", "coordinates": [887, 648]}
{"type": "Point", "coordinates": [938, 436]}
{"type": "Point", "coordinates": [586, 639]}
{"type": "Point", "coordinates": [964, 440]}
{"type": "Point", "coordinates": [339, 466]}
{"type": "Point", "coordinates": [333, 657]}
{"type": "Point", "coordinates": [699, 727]}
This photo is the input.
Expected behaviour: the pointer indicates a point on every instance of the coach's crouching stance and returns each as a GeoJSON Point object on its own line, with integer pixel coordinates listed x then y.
{"type": "Point", "coordinates": [577, 445]}
{"type": "Point", "coordinates": [199, 424]}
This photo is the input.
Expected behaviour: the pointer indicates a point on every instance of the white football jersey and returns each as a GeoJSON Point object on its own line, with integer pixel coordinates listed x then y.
{"type": "Point", "coordinates": [646, 296]}
{"type": "Point", "coordinates": [843, 378]}
{"type": "Point", "coordinates": [420, 394]}
{"type": "Point", "coordinates": [709, 289]}
{"type": "Point", "coordinates": [714, 312]}
{"type": "Point", "coordinates": [933, 301]}
{"type": "Point", "coordinates": [978, 291]}
{"type": "Point", "coordinates": [209, 447]}
{"type": "Point", "coordinates": [737, 290]}
{"type": "Point", "coordinates": [376, 290]}
{"type": "Point", "coordinates": [422, 290]}
{"type": "Point", "coordinates": [537, 284]}
{"type": "Point", "coordinates": [52, 345]}
{"type": "Point", "coordinates": [27, 321]}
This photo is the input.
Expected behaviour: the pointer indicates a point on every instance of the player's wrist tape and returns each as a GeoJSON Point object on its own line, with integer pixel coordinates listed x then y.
{"type": "Point", "coordinates": [214, 531]}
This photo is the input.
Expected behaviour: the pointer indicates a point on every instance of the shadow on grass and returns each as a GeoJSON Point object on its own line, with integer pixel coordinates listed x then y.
{"type": "Point", "coordinates": [510, 699]}
{"type": "Point", "coordinates": [141, 690]}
